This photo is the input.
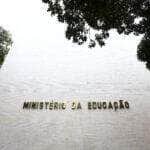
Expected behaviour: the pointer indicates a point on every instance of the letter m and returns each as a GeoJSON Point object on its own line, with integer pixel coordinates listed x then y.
{"type": "Point", "coordinates": [26, 105]}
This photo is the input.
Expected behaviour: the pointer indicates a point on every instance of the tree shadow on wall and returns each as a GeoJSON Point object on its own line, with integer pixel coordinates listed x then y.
{"type": "Point", "coordinates": [91, 21]}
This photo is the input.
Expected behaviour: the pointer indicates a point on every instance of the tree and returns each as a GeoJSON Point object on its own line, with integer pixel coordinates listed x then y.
{"type": "Point", "coordinates": [5, 44]}
{"type": "Point", "coordinates": [91, 20]}
{"type": "Point", "coordinates": [143, 52]}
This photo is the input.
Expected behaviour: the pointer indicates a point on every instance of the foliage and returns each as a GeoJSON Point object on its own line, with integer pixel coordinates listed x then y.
{"type": "Point", "coordinates": [5, 44]}
{"type": "Point", "coordinates": [85, 18]}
